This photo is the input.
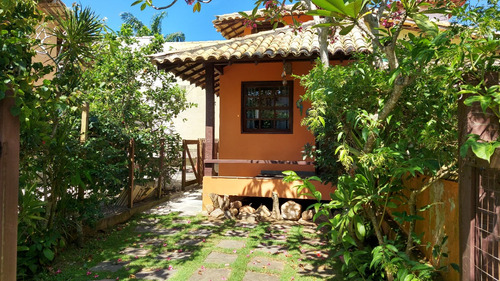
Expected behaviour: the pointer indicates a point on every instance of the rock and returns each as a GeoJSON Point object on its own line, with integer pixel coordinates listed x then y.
{"type": "Point", "coordinates": [263, 211]}
{"type": "Point", "coordinates": [205, 213]}
{"type": "Point", "coordinates": [210, 208]}
{"type": "Point", "coordinates": [308, 215]}
{"type": "Point", "coordinates": [234, 211]}
{"type": "Point", "coordinates": [220, 200]}
{"type": "Point", "coordinates": [217, 213]}
{"type": "Point", "coordinates": [247, 217]}
{"type": "Point", "coordinates": [247, 209]}
{"type": "Point", "coordinates": [291, 210]}
{"type": "Point", "coordinates": [236, 204]}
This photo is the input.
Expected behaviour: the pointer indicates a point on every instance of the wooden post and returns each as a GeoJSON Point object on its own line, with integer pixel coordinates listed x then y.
{"type": "Point", "coordinates": [85, 123]}
{"type": "Point", "coordinates": [9, 188]}
{"type": "Point", "coordinates": [184, 147]}
{"type": "Point", "coordinates": [131, 173]}
{"type": "Point", "coordinates": [162, 159]}
{"type": "Point", "coordinates": [209, 118]}
{"type": "Point", "coordinates": [199, 160]}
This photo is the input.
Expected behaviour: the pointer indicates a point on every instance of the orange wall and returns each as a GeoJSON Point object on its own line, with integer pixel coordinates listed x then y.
{"type": "Point", "coordinates": [235, 145]}
{"type": "Point", "coordinates": [257, 187]}
{"type": "Point", "coordinates": [439, 220]}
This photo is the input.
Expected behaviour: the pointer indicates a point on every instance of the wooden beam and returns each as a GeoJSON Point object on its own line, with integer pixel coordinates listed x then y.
{"type": "Point", "coordinates": [209, 118]}
{"type": "Point", "coordinates": [131, 156]}
{"type": "Point", "coordinates": [84, 129]}
{"type": "Point", "coordinates": [9, 188]}
{"type": "Point", "coordinates": [247, 161]}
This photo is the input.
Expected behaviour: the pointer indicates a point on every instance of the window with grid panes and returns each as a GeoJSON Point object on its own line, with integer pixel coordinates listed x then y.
{"type": "Point", "coordinates": [267, 107]}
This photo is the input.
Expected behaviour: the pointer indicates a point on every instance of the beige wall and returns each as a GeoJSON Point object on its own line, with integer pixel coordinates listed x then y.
{"type": "Point", "coordinates": [190, 124]}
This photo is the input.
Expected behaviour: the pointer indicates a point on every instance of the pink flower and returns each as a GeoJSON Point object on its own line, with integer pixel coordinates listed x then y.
{"type": "Point", "coordinates": [136, 257]}
{"type": "Point", "coordinates": [119, 260]}
{"type": "Point", "coordinates": [203, 240]}
{"type": "Point", "coordinates": [190, 2]}
{"type": "Point", "coordinates": [164, 244]}
{"type": "Point", "coordinates": [58, 271]}
{"type": "Point", "coordinates": [88, 273]}
{"type": "Point", "coordinates": [169, 258]}
{"type": "Point", "coordinates": [97, 275]}
{"type": "Point", "coordinates": [226, 264]}
{"type": "Point", "coordinates": [223, 278]}
{"type": "Point", "coordinates": [170, 267]}
{"type": "Point", "coordinates": [202, 267]}
{"type": "Point", "coordinates": [139, 235]}
{"type": "Point", "coordinates": [188, 221]}
{"type": "Point", "coordinates": [234, 251]}
{"type": "Point", "coordinates": [293, 278]}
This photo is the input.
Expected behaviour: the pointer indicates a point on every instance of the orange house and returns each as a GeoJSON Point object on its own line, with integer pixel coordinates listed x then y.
{"type": "Point", "coordinates": [252, 72]}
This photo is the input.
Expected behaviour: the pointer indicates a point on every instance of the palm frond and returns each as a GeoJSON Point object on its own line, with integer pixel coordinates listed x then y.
{"type": "Point", "coordinates": [156, 22]}
{"type": "Point", "coordinates": [175, 37]}
{"type": "Point", "coordinates": [131, 20]}
{"type": "Point", "coordinates": [77, 30]}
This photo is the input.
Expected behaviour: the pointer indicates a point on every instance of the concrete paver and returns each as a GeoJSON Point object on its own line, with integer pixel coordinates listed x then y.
{"type": "Point", "coordinates": [159, 274]}
{"type": "Point", "coordinates": [253, 276]}
{"type": "Point", "coordinates": [220, 258]}
{"type": "Point", "coordinates": [231, 244]}
{"type": "Point", "coordinates": [210, 274]}
{"type": "Point", "coordinates": [108, 266]}
{"type": "Point", "coordinates": [135, 252]}
{"type": "Point", "coordinates": [266, 263]}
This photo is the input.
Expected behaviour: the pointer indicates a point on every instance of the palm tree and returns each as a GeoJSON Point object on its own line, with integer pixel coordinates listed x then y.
{"type": "Point", "coordinates": [155, 27]}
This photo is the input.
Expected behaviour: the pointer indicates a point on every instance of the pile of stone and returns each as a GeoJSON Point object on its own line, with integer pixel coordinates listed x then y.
{"type": "Point", "coordinates": [222, 207]}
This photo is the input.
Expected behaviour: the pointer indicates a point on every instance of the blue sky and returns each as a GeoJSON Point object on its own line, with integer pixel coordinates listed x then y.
{"type": "Point", "coordinates": [180, 17]}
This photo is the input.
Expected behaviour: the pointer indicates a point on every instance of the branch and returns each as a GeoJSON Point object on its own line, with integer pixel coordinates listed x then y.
{"type": "Point", "coordinates": [175, 1]}
{"type": "Point", "coordinates": [164, 7]}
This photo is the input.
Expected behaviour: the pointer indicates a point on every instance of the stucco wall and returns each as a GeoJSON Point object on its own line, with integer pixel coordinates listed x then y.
{"type": "Point", "coordinates": [190, 124]}
{"type": "Point", "coordinates": [237, 145]}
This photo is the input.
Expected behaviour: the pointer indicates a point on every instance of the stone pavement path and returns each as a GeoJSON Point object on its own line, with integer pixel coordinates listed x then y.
{"type": "Point", "coordinates": [171, 243]}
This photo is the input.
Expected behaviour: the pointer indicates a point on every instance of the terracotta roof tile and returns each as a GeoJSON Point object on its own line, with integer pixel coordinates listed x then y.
{"type": "Point", "coordinates": [275, 44]}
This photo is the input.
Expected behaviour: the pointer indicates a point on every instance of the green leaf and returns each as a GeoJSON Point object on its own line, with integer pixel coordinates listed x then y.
{"type": "Point", "coordinates": [197, 7]}
{"type": "Point", "coordinates": [455, 266]}
{"type": "Point", "coordinates": [346, 30]}
{"type": "Point", "coordinates": [359, 228]}
{"type": "Point", "coordinates": [143, 6]}
{"type": "Point", "coordinates": [484, 101]}
{"type": "Point", "coordinates": [425, 24]}
{"type": "Point", "coordinates": [48, 253]}
{"type": "Point", "coordinates": [136, 2]}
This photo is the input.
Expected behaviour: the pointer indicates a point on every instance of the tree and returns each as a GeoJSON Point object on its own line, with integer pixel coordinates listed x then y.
{"type": "Point", "coordinates": [141, 30]}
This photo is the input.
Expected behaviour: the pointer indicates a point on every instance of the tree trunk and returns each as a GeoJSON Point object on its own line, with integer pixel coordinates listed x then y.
{"type": "Point", "coordinates": [276, 214]}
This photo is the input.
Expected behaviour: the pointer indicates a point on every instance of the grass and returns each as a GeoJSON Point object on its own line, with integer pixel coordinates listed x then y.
{"type": "Point", "coordinates": [75, 263]}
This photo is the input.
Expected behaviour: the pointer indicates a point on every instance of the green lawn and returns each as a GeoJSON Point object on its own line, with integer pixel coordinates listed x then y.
{"type": "Point", "coordinates": [304, 252]}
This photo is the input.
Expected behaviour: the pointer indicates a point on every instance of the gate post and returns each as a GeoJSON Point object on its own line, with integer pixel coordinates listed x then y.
{"type": "Point", "coordinates": [9, 188]}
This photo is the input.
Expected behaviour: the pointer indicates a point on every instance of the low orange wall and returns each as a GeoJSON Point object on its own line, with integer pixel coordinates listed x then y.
{"type": "Point", "coordinates": [256, 187]}
{"type": "Point", "coordinates": [439, 220]}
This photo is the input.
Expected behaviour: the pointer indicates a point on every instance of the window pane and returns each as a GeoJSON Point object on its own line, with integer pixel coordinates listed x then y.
{"type": "Point", "coordinates": [252, 114]}
{"type": "Point", "coordinates": [282, 114]}
{"type": "Point", "coordinates": [252, 102]}
{"type": "Point", "coordinates": [267, 114]}
{"type": "Point", "coordinates": [268, 102]}
{"type": "Point", "coordinates": [266, 124]}
{"type": "Point", "coordinates": [282, 102]}
{"type": "Point", "coordinates": [252, 124]}
{"type": "Point", "coordinates": [282, 124]}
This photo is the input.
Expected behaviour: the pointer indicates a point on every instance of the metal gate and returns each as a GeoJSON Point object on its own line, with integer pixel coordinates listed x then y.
{"type": "Point", "coordinates": [487, 227]}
